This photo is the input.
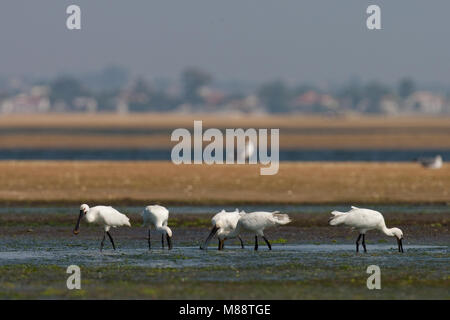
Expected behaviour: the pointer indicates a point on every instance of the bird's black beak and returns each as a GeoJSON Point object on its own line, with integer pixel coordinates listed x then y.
{"type": "Point", "coordinates": [400, 244]}
{"type": "Point", "coordinates": [77, 226]}
{"type": "Point", "coordinates": [211, 235]}
{"type": "Point", "coordinates": [169, 241]}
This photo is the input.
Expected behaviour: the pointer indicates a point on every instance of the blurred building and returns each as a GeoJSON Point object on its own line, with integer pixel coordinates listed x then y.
{"type": "Point", "coordinates": [35, 101]}
{"type": "Point", "coordinates": [426, 102]}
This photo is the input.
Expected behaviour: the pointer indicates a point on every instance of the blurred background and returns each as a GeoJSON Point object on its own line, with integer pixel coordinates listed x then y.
{"type": "Point", "coordinates": [83, 94]}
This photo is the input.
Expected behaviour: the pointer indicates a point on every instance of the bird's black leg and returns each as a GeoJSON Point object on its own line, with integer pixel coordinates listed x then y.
{"type": "Point", "coordinates": [400, 245]}
{"type": "Point", "coordinates": [219, 246]}
{"type": "Point", "coordinates": [149, 243]}
{"type": "Point", "coordinates": [256, 243]}
{"type": "Point", "coordinates": [110, 238]}
{"type": "Point", "coordinates": [169, 241]}
{"type": "Point", "coordinates": [357, 242]}
{"type": "Point", "coordinates": [103, 242]}
{"type": "Point", "coordinates": [242, 242]}
{"type": "Point", "coordinates": [364, 243]}
{"type": "Point", "coordinates": [267, 242]}
{"type": "Point", "coordinates": [162, 240]}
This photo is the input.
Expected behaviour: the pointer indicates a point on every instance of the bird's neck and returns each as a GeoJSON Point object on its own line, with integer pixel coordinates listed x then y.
{"type": "Point", "coordinates": [90, 216]}
{"type": "Point", "coordinates": [387, 231]}
{"type": "Point", "coordinates": [163, 229]}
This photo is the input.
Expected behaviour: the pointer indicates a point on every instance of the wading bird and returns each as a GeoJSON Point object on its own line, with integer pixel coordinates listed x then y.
{"type": "Point", "coordinates": [157, 216]}
{"type": "Point", "coordinates": [223, 224]}
{"type": "Point", "coordinates": [431, 163]}
{"type": "Point", "coordinates": [106, 216]}
{"type": "Point", "coordinates": [364, 220]}
{"type": "Point", "coordinates": [257, 222]}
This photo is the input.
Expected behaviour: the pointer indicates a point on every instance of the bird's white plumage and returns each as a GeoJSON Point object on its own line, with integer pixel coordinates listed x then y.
{"type": "Point", "coordinates": [106, 216]}
{"type": "Point", "coordinates": [363, 220]}
{"type": "Point", "coordinates": [256, 222]}
{"type": "Point", "coordinates": [226, 222]}
{"type": "Point", "coordinates": [157, 216]}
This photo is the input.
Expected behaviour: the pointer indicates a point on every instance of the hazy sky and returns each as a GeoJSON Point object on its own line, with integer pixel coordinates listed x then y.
{"type": "Point", "coordinates": [253, 40]}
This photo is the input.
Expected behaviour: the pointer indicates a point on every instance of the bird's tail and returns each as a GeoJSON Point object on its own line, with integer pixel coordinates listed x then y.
{"type": "Point", "coordinates": [337, 218]}
{"type": "Point", "coordinates": [280, 219]}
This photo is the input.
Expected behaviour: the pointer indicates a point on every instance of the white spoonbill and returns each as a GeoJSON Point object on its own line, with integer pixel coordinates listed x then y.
{"type": "Point", "coordinates": [106, 216]}
{"type": "Point", "coordinates": [256, 222]}
{"type": "Point", "coordinates": [364, 220]}
{"type": "Point", "coordinates": [223, 224]}
{"type": "Point", "coordinates": [158, 217]}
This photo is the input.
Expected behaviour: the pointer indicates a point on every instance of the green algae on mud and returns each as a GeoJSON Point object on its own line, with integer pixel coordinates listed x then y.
{"type": "Point", "coordinates": [287, 281]}
{"type": "Point", "coordinates": [286, 272]}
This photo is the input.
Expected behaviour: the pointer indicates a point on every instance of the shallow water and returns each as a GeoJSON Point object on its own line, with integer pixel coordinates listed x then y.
{"type": "Point", "coordinates": [143, 154]}
{"type": "Point", "coordinates": [423, 209]}
{"type": "Point", "coordinates": [134, 253]}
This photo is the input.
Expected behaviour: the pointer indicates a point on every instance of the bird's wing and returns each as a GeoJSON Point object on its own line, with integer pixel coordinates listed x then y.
{"type": "Point", "coordinates": [159, 211]}
{"type": "Point", "coordinates": [114, 218]}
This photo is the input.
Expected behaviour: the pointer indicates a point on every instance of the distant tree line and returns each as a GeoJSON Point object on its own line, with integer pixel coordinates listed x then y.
{"type": "Point", "coordinates": [196, 89]}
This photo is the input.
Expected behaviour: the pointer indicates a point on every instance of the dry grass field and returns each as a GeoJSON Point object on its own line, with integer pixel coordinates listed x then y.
{"type": "Point", "coordinates": [183, 120]}
{"type": "Point", "coordinates": [85, 131]}
{"type": "Point", "coordinates": [64, 182]}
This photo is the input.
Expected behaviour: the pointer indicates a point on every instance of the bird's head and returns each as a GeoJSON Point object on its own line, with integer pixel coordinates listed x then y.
{"type": "Point", "coordinates": [213, 232]}
{"type": "Point", "coordinates": [84, 208]}
{"type": "Point", "coordinates": [169, 237]}
{"type": "Point", "coordinates": [169, 232]}
{"type": "Point", "coordinates": [396, 232]}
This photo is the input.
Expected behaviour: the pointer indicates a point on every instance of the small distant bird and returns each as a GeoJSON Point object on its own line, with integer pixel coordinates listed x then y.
{"type": "Point", "coordinates": [364, 220]}
{"type": "Point", "coordinates": [257, 222]}
{"type": "Point", "coordinates": [106, 216]}
{"type": "Point", "coordinates": [243, 153]}
{"type": "Point", "coordinates": [157, 216]}
{"type": "Point", "coordinates": [431, 163]}
{"type": "Point", "coordinates": [248, 151]}
{"type": "Point", "coordinates": [223, 224]}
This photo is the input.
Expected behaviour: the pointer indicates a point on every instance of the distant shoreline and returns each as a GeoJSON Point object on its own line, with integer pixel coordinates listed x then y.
{"type": "Point", "coordinates": [141, 131]}
{"type": "Point", "coordinates": [139, 182]}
